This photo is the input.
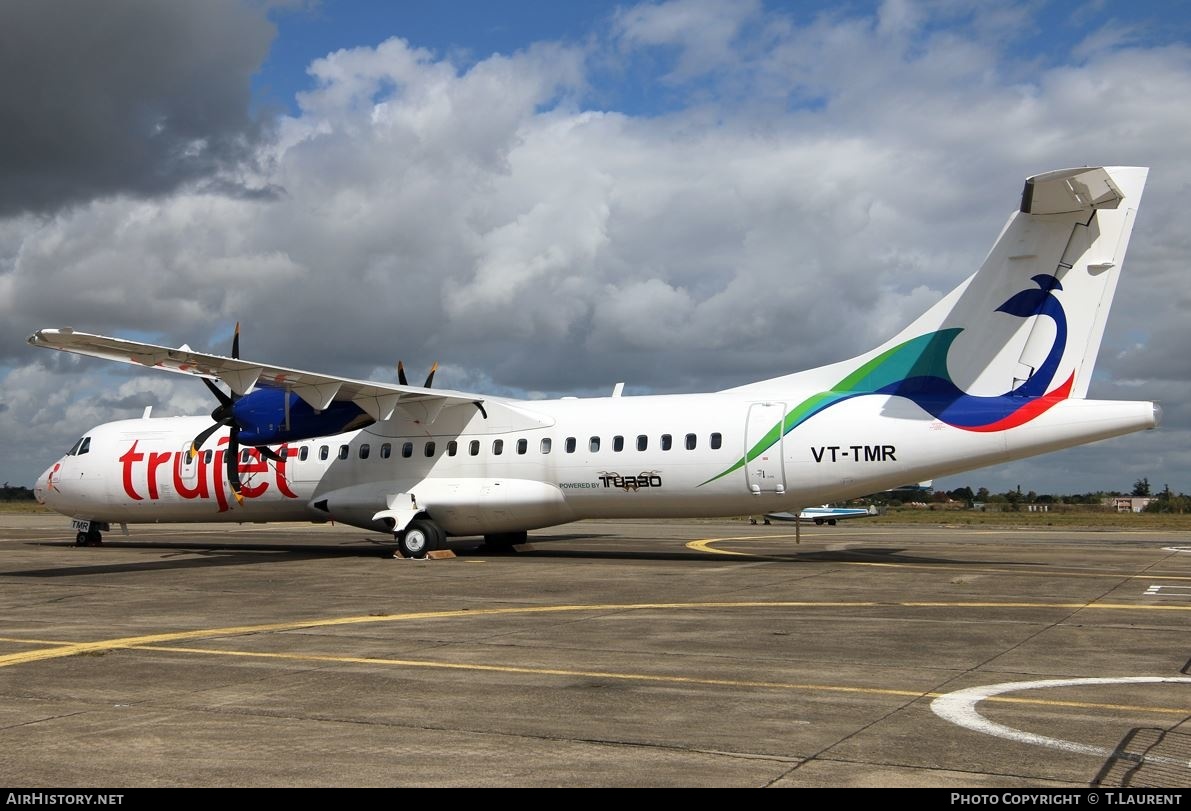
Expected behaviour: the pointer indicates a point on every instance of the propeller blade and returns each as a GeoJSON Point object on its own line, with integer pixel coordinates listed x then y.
{"type": "Point", "coordinates": [269, 454]}
{"type": "Point", "coordinates": [201, 438]}
{"type": "Point", "coordinates": [231, 458]}
{"type": "Point", "coordinates": [219, 395]}
{"type": "Point", "coordinates": [224, 415]}
{"type": "Point", "coordinates": [404, 381]}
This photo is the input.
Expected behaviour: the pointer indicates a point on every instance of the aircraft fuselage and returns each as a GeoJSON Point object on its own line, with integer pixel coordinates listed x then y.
{"type": "Point", "coordinates": [530, 464]}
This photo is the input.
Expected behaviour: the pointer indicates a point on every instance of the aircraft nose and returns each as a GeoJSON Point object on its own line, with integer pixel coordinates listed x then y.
{"type": "Point", "coordinates": [42, 485]}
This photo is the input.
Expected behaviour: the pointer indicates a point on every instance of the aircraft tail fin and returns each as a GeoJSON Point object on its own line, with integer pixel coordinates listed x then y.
{"type": "Point", "coordinates": [1028, 324]}
{"type": "Point", "coordinates": [1018, 336]}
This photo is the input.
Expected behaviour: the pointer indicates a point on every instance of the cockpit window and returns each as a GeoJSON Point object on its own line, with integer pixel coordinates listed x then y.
{"type": "Point", "coordinates": [86, 446]}
{"type": "Point", "coordinates": [75, 447]}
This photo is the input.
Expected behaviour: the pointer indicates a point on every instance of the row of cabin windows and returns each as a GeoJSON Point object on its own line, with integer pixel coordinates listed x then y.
{"type": "Point", "coordinates": [666, 442]}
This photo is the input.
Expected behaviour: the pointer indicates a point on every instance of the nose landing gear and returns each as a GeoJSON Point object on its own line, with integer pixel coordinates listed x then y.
{"type": "Point", "coordinates": [91, 537]}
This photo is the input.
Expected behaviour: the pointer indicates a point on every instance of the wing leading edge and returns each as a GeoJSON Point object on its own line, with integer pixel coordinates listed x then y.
{"type": "Point", "coordinates": [378, 400]}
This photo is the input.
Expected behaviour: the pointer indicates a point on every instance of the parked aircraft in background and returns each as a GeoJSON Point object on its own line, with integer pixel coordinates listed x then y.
{"type": "Point", "coordinates": [820, 515]}
{"type": "Point", "coordinates": [997, 370]}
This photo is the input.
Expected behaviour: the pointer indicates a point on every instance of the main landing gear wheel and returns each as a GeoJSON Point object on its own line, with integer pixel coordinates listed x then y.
{"type": "Point", "coordinates": [419, 538]}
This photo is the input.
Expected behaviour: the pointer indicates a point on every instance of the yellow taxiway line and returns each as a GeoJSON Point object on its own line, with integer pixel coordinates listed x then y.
{"type": "Point", "coordinates": [160, 642]}
{"type": "Point", "coordinates": [653, 677]}
{"type": "Point", "coordinates": [705, 545]}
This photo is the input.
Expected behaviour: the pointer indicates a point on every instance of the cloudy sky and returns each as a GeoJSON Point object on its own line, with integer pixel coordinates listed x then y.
{"type": "Point", "coordinates": [548, 198]}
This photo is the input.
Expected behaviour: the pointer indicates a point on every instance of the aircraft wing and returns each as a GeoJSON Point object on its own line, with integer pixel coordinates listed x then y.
{"type": "Point", "coordinates": [378, 400]}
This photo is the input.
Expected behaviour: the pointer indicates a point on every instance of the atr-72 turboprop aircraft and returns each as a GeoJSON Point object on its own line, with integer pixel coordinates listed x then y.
{"type": "Point", "coordinates": [997, 370]}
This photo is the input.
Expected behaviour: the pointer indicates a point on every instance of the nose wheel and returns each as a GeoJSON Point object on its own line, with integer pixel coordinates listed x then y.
{"type": "Point", "coordinates": [90, 538]}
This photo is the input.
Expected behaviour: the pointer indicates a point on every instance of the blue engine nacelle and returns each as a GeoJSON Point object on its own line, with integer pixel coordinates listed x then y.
{"type": "Point", "coordinates": [261, 415]}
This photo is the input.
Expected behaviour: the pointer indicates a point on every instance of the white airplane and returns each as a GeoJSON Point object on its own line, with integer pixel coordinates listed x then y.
{"type": "Point", "coordinates": [997, 370]}
{"type": "Point", "coordinates": [820, 515]}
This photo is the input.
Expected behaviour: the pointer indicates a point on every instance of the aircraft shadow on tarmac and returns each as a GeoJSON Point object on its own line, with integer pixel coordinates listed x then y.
{"type": "Point", "coordinates": [241, 554]}
{"type": "Point", "coordinates": [851, 555]}
{"type": "Point", "coordinates": [210, 555]}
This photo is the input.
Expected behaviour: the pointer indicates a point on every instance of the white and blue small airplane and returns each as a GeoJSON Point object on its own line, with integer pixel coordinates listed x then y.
{"type": "Point", "coordinates": [997, 370]}
{"type": "Point", "coordinates": [821, 515]}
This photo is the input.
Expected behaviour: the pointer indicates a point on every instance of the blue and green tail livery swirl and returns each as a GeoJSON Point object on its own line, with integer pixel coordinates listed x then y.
{"type": "Point", "coordinates": [917, 371]}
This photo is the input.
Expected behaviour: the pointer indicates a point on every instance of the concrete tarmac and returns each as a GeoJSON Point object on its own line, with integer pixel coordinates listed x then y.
{"type": "Point", "coordinates": [644, 653]}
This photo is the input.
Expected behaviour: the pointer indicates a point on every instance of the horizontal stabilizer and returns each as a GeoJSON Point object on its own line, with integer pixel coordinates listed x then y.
{"type": "Point", "coordinates": [1069, 190]}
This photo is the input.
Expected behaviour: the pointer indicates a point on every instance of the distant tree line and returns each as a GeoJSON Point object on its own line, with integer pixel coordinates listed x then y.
{"type": "Point", "coordinates": [1166, 501]}
{"type": "Point", "coordinates": [10, 493]}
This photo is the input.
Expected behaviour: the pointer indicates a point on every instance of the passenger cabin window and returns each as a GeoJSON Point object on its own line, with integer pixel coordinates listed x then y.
{"type": "Point", "coordinates": [365, 450]}
{"type": "Point", "coordinates": [716, 442]}
{"type": "Point", "coordinates": [667, 442]}
{"type": "Point", "coordinates": [429, 449]}
{"type": "Point", "coordinates": [344, 451]}
{"type": "Point", "coordinates": [570, 444]}
{"type": "Point", "coordinates": [545, 447]}
{"type": "Point", "coordinates": [522, 445]}
{"type": "Point", "coordinates": [207, 457]}
{"type": "Point", "coordinates": [386, 450]}
{"type": "Point", "coordinates": [244, 456]}
{"type": "Point", "coordinates": [593, 444]}
{"type": "Point", "coordinates": [323, 451]}
{"type": "Point", "coordinates": [303, 453]}
{"type": "Point", "coordinates": [498, 447]}
{"type": "Point", "coordinates": [407, 450]}
{"type": "Point", "coordinates": [618, 443]}
{"type": "Point", "coordinates": [690, 442]}
{"type": "Point", "coordinates": [452, 448]}
{"type": "Point", "coordinates": [473, 447]}
{"type": "Point", "coordinates": [642, 442]}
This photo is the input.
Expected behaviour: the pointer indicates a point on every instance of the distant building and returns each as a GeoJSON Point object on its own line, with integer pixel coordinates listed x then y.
{"type": "Point", "coordinates": [1128, 504]}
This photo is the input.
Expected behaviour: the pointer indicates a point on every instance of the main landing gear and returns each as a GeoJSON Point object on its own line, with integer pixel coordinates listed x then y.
{"type": "Point", "coordinates": [504, 541]}
{"type": "Point", "coordinates": [91, 537]}
{"type": "Point", "coordinates": [421, 537]}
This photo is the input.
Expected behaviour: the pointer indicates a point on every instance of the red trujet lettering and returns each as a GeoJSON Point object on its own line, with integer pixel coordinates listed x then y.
{"type": "Point", "coordinates": [282, 481]}
{"type": "Point", "coordinates": [255, 464]}
{"type": "Point", "coordinates": [200, 475]}
{"type": "Point", "coordinates": [145, 470]}
{"type": "Point", "coordinates": [217, 475]}
{"type": "Point", "coordinates": [156, 460]}
{"type": "Point", "coordinates": [127, 460]}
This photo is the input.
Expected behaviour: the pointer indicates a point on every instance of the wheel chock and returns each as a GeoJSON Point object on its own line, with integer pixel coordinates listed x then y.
{"type": "Point", "coordinates": [437, 554]}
